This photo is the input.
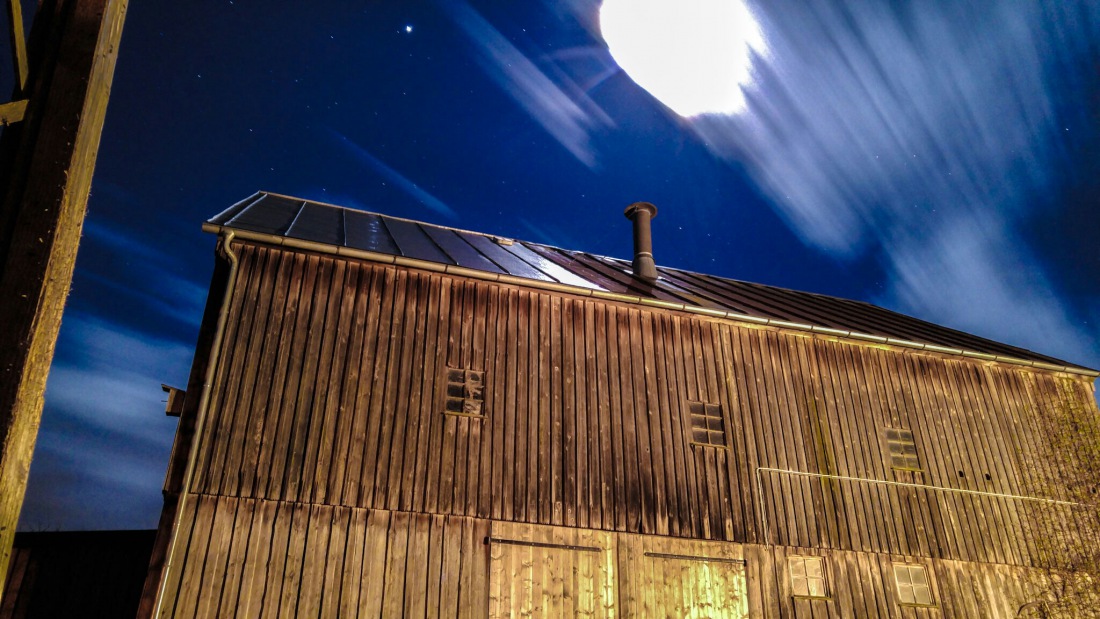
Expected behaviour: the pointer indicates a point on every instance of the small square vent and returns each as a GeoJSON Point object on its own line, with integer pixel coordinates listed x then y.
{"type": "Point", "coordinates": [465, 393]}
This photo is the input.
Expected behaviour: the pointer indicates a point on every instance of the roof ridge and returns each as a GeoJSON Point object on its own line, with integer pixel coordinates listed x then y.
{"type": "Point", "coordinates": [264, 215]}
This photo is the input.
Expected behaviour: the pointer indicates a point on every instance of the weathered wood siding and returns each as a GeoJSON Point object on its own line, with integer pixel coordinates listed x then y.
{"type": "Point", "coordinates": [671, 577]}
{"type": "Point", "coordinates": [862, 584]}
{"type": "Point", "coordinates": [330, 392]}
{"type": "Point", "coordinates": [542, 571]}
{"type": "Point", "coordinates": [258, 558]}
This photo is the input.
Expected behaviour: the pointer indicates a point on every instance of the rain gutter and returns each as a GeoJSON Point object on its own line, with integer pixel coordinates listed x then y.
{"type": "Point", "coordinates": [226, 249]}
{"type": "Point", "coordinates": [360, 254]}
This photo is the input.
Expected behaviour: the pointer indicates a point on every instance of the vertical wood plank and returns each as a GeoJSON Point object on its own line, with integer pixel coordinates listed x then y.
{"type": "Point", "coordinates": [238, 553]}
{"type": "Point", "coordinates": [569, 435]}
{"type": "Point", "coordinates": [373, 585]}
{"type": "Point", "coordinates": [405, 411]}
{"type": "Point", "coordinates": [329, 374]}
{"type": "Point", "coordinates": [422, 414]}
{"type": "Point", "coordinates": [389, 299]}
{"type": "Point", "coordinates": [367, 370]}
{"type": "Point", "coordinates": [253, 579]}
{"type": "Point", "coordinates": [556, 477]}
{"type": "Point", "coordinates": [536, 424]}
{"type": "Point", "coordinates": [396, 409]}
{"type": "Point", "coordinates": [279, 442]}
{"type": "Point", "coordinates": [543, 498]}
{"type": "Point", "coordinates": [633, 497]}
{"type": "Point", "coordinates": [233, 409]}
{"type": "Point", "coordinates": [262, 393]}
{"type": "Point", "coordinates": [334, 486]}
{"type": "Point", "coordinates": [397, 546]}
{"type": "Point", "coordinates": [326, 447]}
{"type": "Point", "coordinates": [416, 567]}
{"type": "Point", "coordinates": [524, 450]}
{"type": "Point", "coordinates": [610, 469]}
{"type": "Point", "coordinates": [173, 574]}
{"type": "Point", "coordinates": [488, 428]}
{"type": "Point", "coordinates": [507, 420]}
{"type": "Point", "coordinates": [314, 556]}
{"type": "Point", "coordinates": [293, 450]}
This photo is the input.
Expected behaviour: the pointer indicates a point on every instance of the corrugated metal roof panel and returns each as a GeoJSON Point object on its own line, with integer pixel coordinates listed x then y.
{"type": "Point", "coordinates": [551, 268]}
{"type": "Point", "coordinates": [619, 271]}
{"type": "Point", "coordinates": [232, 211]}
{"type": "Point", "coordinates": [367, 232]}
{"type": "Point", "coordinates": [319, 224]}
{"type": "Point", "coordinates": [568, 262]}
{"type": "Point", "coordinates": [275, 215]}
{"type": "Point", "coordinates": [413, 242]}
{"type": "Point", "coordinates": [507, 260]}
{"type": "Point", "coordinates": [461, 252]}
{"type": "Point", "coordinates": [270, 215]}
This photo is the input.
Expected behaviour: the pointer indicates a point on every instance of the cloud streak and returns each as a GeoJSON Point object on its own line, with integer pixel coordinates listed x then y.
{"type": "Point", "coordinates": [104, 442]}
{"type": "Point", "coordinates": [151, 274]}
{"type": "Point", "coordinates": [412, 189]}
{"type": "Point", "coordinates": [927, 134]}
{"type": "Point", "coordinates": [549, 95]}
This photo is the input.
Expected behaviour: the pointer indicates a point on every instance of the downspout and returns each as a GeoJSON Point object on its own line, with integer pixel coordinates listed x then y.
{"type": "Point", "coordinates": [200, 416]}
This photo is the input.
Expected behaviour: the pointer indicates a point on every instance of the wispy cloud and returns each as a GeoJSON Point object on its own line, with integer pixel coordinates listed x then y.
{"type": "Point", "coordinates": [547, 93]}
{"type": "Point", "coordinates": [85, 481]}
{"type": "Point", "coordinates": [928, 133]}
{"type": "Point", "coordinates": [104, 441]}
{"type": "Point", "coordinates": [109, 369]}
{"type": "Point", "coordinates": [103, 447]}
{"type": "Point", "coordinates": [412, 189]}
{"type": "Point", "coordinates": [150, 274]}
{"type": "Point", "coordinates": [548, 234]}
{"type": "Point", "coordinates": [976, 276]}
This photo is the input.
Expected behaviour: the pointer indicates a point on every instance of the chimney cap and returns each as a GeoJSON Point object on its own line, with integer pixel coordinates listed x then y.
{"type": "Point", "coordinates": [640, 206]}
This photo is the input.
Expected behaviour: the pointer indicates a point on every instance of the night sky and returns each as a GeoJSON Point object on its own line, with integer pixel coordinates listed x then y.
{"type": "Point", "coordinates": [938, 158]}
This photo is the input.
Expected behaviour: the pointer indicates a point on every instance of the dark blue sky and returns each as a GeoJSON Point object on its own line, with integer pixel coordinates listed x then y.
{"type": "Point", "coordinates": [938, 158]}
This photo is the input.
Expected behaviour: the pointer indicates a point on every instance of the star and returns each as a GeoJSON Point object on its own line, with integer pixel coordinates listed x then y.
{"type": "Point", "coordinates": [408, 28]}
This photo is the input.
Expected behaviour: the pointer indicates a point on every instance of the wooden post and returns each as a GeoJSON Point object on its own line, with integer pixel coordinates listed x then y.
{"type": "Point", "coordinates": [18, 45]}
{"type": "Point", "coordinates": [46, 181]}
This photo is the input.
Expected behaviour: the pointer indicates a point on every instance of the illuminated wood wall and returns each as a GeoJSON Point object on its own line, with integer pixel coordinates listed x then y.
{"type": "Point", "coordinates": [332, 473]}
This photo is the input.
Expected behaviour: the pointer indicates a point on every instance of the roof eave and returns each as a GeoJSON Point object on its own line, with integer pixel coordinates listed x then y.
{"type": "Point", "coordinates": [347, 252]}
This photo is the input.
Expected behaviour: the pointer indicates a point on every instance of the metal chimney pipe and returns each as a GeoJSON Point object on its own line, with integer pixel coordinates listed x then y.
{"type": "Point", "coordinates": [640, 213]}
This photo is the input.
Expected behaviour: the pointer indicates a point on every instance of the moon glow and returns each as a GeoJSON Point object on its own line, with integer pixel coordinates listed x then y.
{"type": "Point", "coordinates": [692, 55]}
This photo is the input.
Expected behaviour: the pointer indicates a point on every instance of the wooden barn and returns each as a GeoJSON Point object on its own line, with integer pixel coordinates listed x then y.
{"type": "Point", "coordinates": [388, 418]}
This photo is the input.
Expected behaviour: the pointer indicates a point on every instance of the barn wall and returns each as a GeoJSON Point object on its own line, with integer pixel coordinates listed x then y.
{"type": "Point", "coordinates": [258, 558]}
{"type": "Point", "coordinates": [862, 585]}
{"type": "Point", "coordinates": [330, 392]}
{"type": "Point", "coordinates": [255, 558]}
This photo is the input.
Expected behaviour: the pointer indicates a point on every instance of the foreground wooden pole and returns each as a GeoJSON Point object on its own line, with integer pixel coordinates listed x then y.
{"type": "Point", "coordinates": [47, 174]}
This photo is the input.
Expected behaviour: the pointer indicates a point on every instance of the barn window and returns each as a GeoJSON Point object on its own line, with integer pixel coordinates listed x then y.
{"type": "Point", "coordinates": [903, 449]}
{"type": "Point", "coordinates": [807, 576]}
{"type": "Point", "coordinates": [913, 587]}
{"type": "Point", "coordinates": [708, 427]}
{"type": "Point", "coordinates": [465, 393]}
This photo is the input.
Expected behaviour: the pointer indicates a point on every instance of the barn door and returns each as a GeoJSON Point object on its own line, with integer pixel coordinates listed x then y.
{"type": "Point", "coordinates": [543, 571]}
{"type": "Point", "coordinates": [668, 577]}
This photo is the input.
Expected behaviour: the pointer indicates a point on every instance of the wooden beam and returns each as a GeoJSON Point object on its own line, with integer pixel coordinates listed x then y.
{"type": "Point", "coordinates": [18, 43]}
{"type": "Point", "coordinates": [73, 51]}
{"type": "Point", "coordinates": [12, 112]}
{"type": "Point", "coordinates": [173, 407]}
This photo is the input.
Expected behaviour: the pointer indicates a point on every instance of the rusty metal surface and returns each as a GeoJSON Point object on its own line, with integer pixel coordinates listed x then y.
{"type": "Point", "coordinates": [323, 223]}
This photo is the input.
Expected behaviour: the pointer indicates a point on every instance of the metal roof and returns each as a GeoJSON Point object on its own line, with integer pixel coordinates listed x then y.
{"type": "Point", "coordinates": [293, 221]}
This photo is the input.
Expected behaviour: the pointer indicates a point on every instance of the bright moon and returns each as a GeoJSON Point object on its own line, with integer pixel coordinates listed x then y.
{"type": "Point", "coordinates": [693, 55]}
